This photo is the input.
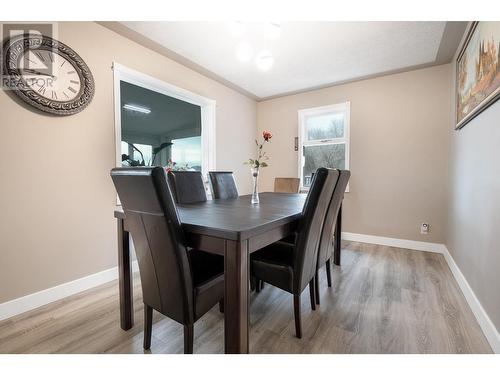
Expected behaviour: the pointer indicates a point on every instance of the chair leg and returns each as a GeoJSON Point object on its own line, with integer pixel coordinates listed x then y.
{"type": "Point", "coordinates": [328, 273]}
{"type": "Point", "coordinates": [221, 306]}
{"type": "Point", "coordinates": [252, 283]}
{"type": "Point", "coordinates": [257, 285]}
{"type": "Point", "coordinates": [148, 326]}
{"type": "Point", "coordinates": [311, 295]}
{"type": "Point", "coordinates": [188, 338]}
{"type": "Point", "coordinates": [316, 287]}
{"type": "Point", "coordinates": [296, 312]}
{"type": "Point", "coordinates": [337, 245]}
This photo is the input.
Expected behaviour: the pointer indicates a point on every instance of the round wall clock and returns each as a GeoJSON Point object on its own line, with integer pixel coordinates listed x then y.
{"type": "Point", "coordinates": [48, 75]}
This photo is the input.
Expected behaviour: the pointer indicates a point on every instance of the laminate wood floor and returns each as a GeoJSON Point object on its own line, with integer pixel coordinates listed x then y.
{"type": "Point", "coordinates": [383, 300]}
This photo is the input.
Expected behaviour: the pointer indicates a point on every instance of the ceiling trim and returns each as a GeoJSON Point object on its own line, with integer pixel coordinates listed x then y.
{"type": "Point", "coordinates": [133, 35]}
{"type": "Point", "coordinates": [351, 80]}
{"type": "Point", "coordinates": [450, 40]}
{"type": "Point", "coordinates": [452, 35]}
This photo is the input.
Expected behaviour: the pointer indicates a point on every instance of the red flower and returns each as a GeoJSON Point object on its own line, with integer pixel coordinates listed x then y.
{"type": "Point", "coordinates": [267, 135]}
{"type": "Point", "coordinates": [168, 169]}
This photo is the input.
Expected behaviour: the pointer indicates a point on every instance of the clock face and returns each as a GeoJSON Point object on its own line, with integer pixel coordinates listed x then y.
{"type": "Point", "coordinates": [48, 75]}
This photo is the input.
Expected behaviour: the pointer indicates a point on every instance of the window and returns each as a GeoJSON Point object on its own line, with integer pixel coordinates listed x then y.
{"type": "Point", "coordinates": [136, 154]}
{"type": "Point", "coordinates": [187, 152]}
{"type": "Point", "coordinates": [154, 120]}
{"type": "Point", "coordinates": [323, 140]}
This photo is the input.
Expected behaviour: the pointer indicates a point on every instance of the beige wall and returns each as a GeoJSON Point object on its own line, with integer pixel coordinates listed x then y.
{"type": "Point", "coordinates": [473, 233]}
{"type": "Point", "coordinates": [399, 149]}
{"type": "Point", "coordinates": [57, 200]}
{"type": "Point", "coordinates": [56, 197]}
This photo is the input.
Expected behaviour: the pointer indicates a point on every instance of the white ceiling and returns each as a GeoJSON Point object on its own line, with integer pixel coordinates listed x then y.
{"type": "Point", "coordinates": [306, 54]}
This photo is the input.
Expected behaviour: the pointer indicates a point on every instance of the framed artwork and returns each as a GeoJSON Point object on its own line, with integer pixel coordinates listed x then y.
{"type": "Point", "coordinates": [478, 71]}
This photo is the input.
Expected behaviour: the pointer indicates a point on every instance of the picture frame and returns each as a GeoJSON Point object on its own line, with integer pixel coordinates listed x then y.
{"type": "Point", "coordinates": [477, 71]}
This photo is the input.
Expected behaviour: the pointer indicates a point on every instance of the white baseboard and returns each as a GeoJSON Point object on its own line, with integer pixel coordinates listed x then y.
{"type": "Point", "coordinates": [395, 242]}
{"type": "Point", "coordinates": [32, 301]}
{"type": "Point", "coordinates": [43, 297]}
{"type": "Point", "coordinates": [482, 317]}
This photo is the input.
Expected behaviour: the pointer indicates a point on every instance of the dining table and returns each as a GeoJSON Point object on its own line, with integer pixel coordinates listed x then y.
{"type": "Point", "coordinates": [234, 228]}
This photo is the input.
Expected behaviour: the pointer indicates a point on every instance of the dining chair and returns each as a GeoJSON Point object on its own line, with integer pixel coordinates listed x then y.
{"type": "Point", "coordinates": [326, 241]}
{"type": "Point", "coordinates": [223, 185]}
{"type": "Point", "coordinates": [291, 267]}
{"type": "Point", "coordinates": [187, 186]}
{"type": "Point", "coordinates": [180, 284]}
{"type": "Point", "coordinates": [286, 185]}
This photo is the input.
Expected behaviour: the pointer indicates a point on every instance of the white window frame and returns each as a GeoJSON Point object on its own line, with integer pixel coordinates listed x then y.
{"type": "Point", "coordinates": [303, 114]}
{"type": "Point", "coordinates": [208, 109]}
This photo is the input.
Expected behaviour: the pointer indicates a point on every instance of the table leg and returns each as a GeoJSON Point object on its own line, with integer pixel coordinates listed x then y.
{"type": "Point", "coordinates": [236, 312]}
{"type": "Point", "coordinates": [338, 238]}
{"type": "Point", "coordinates": [125, 278]}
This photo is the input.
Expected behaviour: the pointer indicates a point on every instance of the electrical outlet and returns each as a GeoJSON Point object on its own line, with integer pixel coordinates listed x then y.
{"type": "Point", "coordinates": [425, 228]}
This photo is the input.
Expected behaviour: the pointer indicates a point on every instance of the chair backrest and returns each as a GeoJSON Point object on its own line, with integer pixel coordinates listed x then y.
{"type": "Point", "coordinates": [326, 243]}
{"type": "Point", "coordinates": [286, 185]}
{"type": "Point", "coordinates": [311, 225]}
{"type": "Point", "coordinates": [223, 185]}
{"type": "Point", "coordinates": [159, 241]}
{"type": "Point", "coordinates": [187, 186]}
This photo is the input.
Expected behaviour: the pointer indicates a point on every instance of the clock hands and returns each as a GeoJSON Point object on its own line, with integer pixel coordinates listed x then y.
{"type": "Point", "coordinates": [38, 73]}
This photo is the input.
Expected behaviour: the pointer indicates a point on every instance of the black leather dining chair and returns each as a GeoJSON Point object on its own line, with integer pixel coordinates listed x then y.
{"type": "Point", "coordinates": [180, 284]}
{"type": "Point", "coordinates": [291, 267]}
{"type": "Point", "coordinates": [326, 242]}
{"type": "Point", "coordinates": [187, 186]}
{"type": "Point", "coordinates": [223, 185]}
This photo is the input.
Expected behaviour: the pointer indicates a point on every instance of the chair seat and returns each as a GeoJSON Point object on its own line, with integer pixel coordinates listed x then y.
{"type": "Point", "coordinates": [208, 280]}
{"type": "Point", "coordinates": [274, 265]}
{"type": "Point", "coordinates": [205, 266]}
{"type": "Point", "coordinates": [289, 239]}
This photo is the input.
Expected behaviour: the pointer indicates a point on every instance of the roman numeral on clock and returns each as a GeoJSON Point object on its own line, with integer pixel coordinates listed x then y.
{"type": "Point", "coordinates": [72, 89]}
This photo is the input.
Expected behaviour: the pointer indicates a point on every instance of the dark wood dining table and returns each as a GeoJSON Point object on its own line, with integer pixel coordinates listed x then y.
{"type": "Point", "coordinates": [234, 228]}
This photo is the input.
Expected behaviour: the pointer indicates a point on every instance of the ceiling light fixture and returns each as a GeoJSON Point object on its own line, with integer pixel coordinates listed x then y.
{"type": "Point", "coordinates": [273, 30]}
{"type": "Point", "coordinates": [264, 60]}
{"type": "Point", "coordinates": [136, 108]}
{"type": "Point", "coordinates": [244, 52]}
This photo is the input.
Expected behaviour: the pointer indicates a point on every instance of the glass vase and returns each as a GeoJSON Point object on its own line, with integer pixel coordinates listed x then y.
{"type": "Point", "coordinates": [255, 194]}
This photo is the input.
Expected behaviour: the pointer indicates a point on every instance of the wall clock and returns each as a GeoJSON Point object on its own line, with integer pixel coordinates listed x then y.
{"type": "Point", "coordinates": [48, 74]}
